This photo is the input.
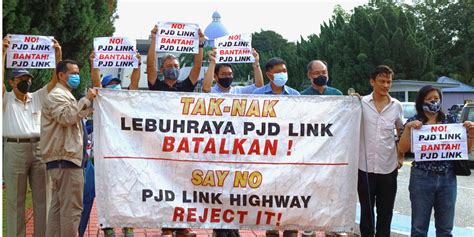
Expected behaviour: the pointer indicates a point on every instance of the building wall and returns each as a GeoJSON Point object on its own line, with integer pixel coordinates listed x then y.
{"type": "Point", "coordinates": [450, 99]}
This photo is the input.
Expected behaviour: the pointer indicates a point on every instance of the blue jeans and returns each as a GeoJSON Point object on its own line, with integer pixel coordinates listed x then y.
{"type": "Point", "coordinates": [430, 190]}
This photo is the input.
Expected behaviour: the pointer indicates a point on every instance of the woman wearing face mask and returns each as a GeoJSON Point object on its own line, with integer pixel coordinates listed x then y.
{"type": "Point", "coordinates": [432, 183]}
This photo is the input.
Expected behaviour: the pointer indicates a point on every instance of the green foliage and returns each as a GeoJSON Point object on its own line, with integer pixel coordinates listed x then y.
{"type": "Point", "coordinates": [73, 23]}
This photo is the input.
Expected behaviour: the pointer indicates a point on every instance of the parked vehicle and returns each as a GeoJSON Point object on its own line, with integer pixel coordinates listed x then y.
{"type": "Point", "coordinates": [468, 114]}
{"type": "Point", "coordinates": [409, 110]}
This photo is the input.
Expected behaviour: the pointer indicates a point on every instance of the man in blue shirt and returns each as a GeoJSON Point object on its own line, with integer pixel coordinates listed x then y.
{"type": "Point", "coordinates": [275, 69]}
{"type": "Point", "coordinates": [319, 77]}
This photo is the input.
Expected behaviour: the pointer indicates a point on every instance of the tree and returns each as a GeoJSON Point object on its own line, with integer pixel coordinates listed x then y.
{"type": "Point", "coordinates": [73, 23]}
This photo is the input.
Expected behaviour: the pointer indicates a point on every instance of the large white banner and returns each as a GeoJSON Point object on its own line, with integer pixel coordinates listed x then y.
{"type": "Point", "coordinates": [30, 51]}
{"type": "Point", "coordinates": [166, 159]}
{"type": "Point", "coordinates": [439, 142]}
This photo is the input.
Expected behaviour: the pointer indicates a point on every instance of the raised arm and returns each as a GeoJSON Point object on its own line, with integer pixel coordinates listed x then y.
{"type": "Point", "coordinates": [196, 69]}
{"type": "Point", "coordinates": [257, 71]}
{"type": "Point", "coordinates": [6, 43]}
{"type": "Point", "coordinates": [209, 76]}
{"type": "Point", "coordinates": [95, 72]}
{"type": "Point", "coordinates": [58, 53]}
{"type": "Point", "coordinates": [135, 78]}
{"type": "Point", "coordinates": [151, 70]}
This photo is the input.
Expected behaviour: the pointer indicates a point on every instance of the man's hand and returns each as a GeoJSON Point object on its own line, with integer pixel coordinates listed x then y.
{"type": "Point", "coordinates": [6, 43]}
{"type": "Point", "coordinates": [154, 31]}
{"type": "Point", "coordinates": [212, 55]}
{"type": "Point", "coordinates": [58, 53]}
{"type": "Point", "coordinates": [256, 56]}
{"type": "Point", "coordinates": [91, 59]}
{"type": "Point", "coordinates": [91, 94]}
{"type": "Point", "coordinates": [139, 57]}
{"type": "Point", "coordinates": [470, 128]}
{"type": "Point", "coordinates": [202, 37]}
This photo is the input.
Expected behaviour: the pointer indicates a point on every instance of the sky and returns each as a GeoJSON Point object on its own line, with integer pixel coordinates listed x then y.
{"type": "Point", "coordinates": [291, 19]}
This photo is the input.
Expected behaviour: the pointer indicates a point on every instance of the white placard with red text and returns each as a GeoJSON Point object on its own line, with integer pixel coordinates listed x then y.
{"type": "Point", "coordinates": [167, 159]}
{"type": "Point", "coordinates": [30, 51]}
{"type": "Point", "coordinates": [115, 52]}
{"type": "Point", "coordinates": [177, 37]}
{"type": "Point", "coordinates": [234, 48]}
{"type": "Point", "coordinates": [439, 142]}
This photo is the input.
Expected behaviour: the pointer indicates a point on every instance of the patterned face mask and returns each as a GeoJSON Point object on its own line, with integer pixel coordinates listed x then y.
{"type": "Point", "coordinates": [433, 106]}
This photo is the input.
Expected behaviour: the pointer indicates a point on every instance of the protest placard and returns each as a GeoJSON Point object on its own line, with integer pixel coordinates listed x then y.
{"type": "Point", "coordinates": [234, 48]}
{"type": "Point", "coordinates": [30, 51]}
{"type": "Point", "coordinates": [202, 161]}
{"type": "Point", "coordinates": [177, 37]}
{"type": "Point", "coordinates": [115, 52]}
{"type": "Point", "coordinates": [439, 142]}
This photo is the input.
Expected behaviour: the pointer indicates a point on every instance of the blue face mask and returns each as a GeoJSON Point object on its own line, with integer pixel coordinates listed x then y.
{"type": "Point", "coordinates": [114, 87]}
{"type": "Point", "coordinates": [433, 106]}
{"type": "Point", "coordinates": [279, 79]}
{"type": "Point", "coordinates": [171, 73]}
{"type": "Point", "coordinates": [73, 81]}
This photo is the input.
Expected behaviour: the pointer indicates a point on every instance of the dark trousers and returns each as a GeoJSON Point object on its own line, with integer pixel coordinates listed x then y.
{"type": "Point", "coordinates": [379, 190]}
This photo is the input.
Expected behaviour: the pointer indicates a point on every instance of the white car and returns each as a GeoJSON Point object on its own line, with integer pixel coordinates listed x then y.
{"type": "Point", "coordinates": [468, 114]}
{"type": "Point", "coordinates": [409, 110]}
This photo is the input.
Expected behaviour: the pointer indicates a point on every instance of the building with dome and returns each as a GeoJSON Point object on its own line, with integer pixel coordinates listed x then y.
{"type": "Point", "coordinates": [215, 29]}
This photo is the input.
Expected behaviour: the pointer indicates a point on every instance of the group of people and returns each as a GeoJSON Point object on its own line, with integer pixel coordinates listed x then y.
{"type": "Point", "coordinates": [44, 132]}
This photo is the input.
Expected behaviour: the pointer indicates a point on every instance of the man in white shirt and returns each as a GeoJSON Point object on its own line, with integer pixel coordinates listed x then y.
{"type": "Point", "coordinates": [22, 156]}
{"type": "Point", "coordinates": [377, 183]}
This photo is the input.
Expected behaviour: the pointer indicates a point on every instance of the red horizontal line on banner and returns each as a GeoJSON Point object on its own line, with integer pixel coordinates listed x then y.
{"type": "Point", "coordinates": [224, 162]}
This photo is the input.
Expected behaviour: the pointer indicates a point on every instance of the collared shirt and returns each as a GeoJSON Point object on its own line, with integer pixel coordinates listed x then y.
{"type": "Point", "coordinates": [23, 120]}
{"type": "Point", "coordinates": [267, 89]}
{"type": "Point", "coordinates": [234, 89]}
{"type": "Point", "coordinates": [327, 91]}
{"type": "Point", "coordinates": [185, 86]}
{"type": "Point", "coordinates": [378, 141]}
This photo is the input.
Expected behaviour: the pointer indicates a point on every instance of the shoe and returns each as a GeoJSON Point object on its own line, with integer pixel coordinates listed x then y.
{"type": "Point", "coordinates": [109, 232]}
{"type": "Point", "coordinates": [272, 233]}
{"type": "Point", "coordinates": [290, 233]}
{"type": "Point", "coordinates": [185, 233]}
{"type": "Point", "coordinates": [127, 231]}
{"type": "Point", "coordinates": [167, 233]}
{"type": "Point", "coordinates": [309, 233]}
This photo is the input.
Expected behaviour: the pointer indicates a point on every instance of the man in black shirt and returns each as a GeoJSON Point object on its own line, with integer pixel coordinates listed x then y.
{"type": "Point", "coordinates": [170, 69]}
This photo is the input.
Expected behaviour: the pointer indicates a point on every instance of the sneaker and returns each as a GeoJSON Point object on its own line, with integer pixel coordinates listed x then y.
{"type": "Point", "coordinates": [167, 233]}
{"type": "Point", "coordinates": [185, 233]}
{"type": "Point", "coordinates": [109, 232]}
{"type": "Point", "coordinates": [290, 233]}
{"type": "Point", "coordinates": [272, 233]}
{"type": "Point", "coordinates": [308, 233]}
{"type": "Point", "coordinates": [127, 231]}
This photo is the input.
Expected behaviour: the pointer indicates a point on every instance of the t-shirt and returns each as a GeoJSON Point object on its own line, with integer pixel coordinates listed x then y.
{"type": "Point", "coordinates": [235, 89]}
{"type": "Point", "coordinates": [185, 85]}
{"type": "Point", "coordinates": [327, 91]}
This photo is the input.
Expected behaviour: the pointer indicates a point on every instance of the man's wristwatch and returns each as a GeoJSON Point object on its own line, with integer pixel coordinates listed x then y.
{"type": "Point", "coordinates": [201, 44]}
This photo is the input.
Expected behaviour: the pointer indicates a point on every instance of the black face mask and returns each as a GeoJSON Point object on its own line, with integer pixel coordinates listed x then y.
{"type": "Point", "coordinates": [320, 80]}
{"type": "Point", "coordinates": [23, 86]}
{"type": "Point", "coordinates": [225, 81]}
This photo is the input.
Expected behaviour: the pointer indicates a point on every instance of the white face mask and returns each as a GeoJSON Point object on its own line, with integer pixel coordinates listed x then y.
{"type": "Point", "coordinates": [280, 79]}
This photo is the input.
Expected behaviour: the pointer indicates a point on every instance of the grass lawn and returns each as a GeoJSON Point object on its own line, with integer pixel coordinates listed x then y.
{"type": "Point", "coordinates": [28, 204]}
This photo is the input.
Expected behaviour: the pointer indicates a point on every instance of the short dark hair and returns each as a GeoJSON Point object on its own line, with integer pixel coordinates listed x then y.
{"type": "Point", "coordinates": [218, 67]}
{"type": "Point", "coordinates": [381, 70]}
{"type": "Point", "coordinates": [273, 62]}
{"type": "Point", "coordinates": [62, 65]}
{"type": "Point", "coordinates": [310, 64]}
{"type": "Point", "coordinates": [420, 100]}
